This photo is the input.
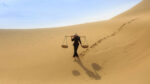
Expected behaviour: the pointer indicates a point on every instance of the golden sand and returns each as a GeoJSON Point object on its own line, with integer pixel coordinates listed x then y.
{"type": "Point", "coordinates": [118, 53]}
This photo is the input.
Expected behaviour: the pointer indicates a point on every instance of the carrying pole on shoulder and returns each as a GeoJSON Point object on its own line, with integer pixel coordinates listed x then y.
{"type": "Point", "coordinates": [84, 45]}
{"type": "Point", "coordinates": [79, 36]}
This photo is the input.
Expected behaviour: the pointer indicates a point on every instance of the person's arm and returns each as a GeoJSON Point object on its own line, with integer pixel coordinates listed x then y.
{"type": "Point", "coordinates": [72, 38]}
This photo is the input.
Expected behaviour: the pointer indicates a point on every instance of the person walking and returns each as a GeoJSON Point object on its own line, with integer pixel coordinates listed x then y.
{"type": "Point", "coordinates": [76, 40]}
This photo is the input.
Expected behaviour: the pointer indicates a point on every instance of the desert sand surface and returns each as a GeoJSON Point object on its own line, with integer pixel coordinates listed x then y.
{"type": "Point", "coordinates": [118, 53]}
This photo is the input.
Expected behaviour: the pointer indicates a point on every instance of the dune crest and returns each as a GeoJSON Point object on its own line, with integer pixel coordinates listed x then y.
{"type": "Point", "coordinates": [140, 9]}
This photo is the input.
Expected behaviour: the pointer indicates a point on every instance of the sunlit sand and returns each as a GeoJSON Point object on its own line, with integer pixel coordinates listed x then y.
{"type": "Point", "coordinates": [118, 53]}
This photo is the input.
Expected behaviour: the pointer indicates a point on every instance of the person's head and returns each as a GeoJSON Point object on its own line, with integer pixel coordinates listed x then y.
{"type": "Point", "coordinates": [75, 34]}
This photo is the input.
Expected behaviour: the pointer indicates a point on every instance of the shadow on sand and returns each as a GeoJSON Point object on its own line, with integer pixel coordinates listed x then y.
{"type": "Point", "coordinates": [91, 74]}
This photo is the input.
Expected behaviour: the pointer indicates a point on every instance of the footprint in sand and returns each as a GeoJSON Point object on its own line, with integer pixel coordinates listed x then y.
{"type": "Point", "coordinates": [83, 53]}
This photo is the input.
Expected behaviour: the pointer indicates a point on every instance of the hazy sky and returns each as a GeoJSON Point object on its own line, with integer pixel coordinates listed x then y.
{"type": "Point", "coordinates": [19, 14]}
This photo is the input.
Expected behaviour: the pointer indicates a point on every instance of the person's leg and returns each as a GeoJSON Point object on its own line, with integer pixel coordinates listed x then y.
{"type": "Point", "coordinates": [76, 48]}
{"type": "Point", "coordinates": [74, 51]}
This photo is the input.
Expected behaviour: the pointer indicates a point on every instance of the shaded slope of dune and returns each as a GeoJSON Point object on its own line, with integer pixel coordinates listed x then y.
{"type": "Point", "coordinates": [118, 53]}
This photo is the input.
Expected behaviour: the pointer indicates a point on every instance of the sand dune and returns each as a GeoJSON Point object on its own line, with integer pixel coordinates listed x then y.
{"type": "Point", "coordinates": [119, 52]}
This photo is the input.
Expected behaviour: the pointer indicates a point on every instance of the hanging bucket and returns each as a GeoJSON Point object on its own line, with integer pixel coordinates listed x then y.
{"type": "Point", "coordinates": [64, 46]}
{"type": "Point", "coordinates": [85, 46]}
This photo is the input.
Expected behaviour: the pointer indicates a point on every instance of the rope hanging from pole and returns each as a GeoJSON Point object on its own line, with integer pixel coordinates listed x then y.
{"type": "Point", "coordinates": [65, 44]}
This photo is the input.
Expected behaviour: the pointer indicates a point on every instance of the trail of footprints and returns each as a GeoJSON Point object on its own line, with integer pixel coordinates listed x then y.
{"type": "Point", "coordinates": [83, 53]}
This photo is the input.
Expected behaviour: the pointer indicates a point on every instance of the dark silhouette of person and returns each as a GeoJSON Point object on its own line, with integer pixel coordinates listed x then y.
{"type": "Point", "coordinates": [76, 40]}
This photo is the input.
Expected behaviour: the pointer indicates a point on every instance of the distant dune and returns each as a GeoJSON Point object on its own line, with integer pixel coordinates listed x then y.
{"type": "Point", "coordinates": [118, 53]}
